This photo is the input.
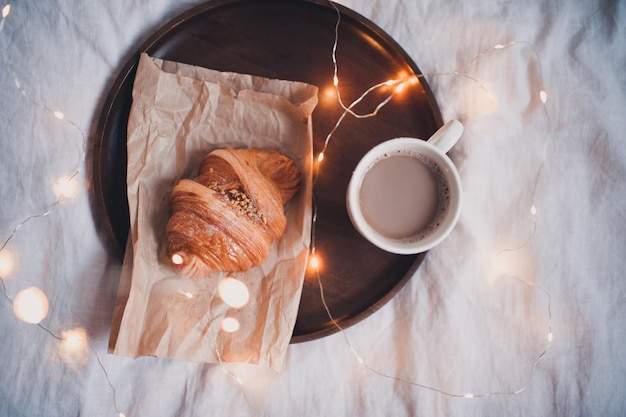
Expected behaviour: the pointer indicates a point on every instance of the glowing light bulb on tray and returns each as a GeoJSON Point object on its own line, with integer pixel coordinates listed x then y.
{"type": "Point", "coordinates": [314, 265]}
{"type": "Point", "coordinates": [234, 292]}
{"type": "Point", "coordinates": [314, 262]}
{"type": "Point", "coordinates": [177, 259]}
{"type": "Point", "coordinates": [230, 324]}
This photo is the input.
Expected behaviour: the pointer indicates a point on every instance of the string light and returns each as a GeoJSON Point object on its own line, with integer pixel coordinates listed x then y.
{"type": "Point", "coordinates": [177, 259]}
{"type": "Point", "coordinates": [230, 324]}
{"type": "Point", "coordinates": [233, 292]}
{"type": "Point", "coordinates": [74, 347]}
{"type": "Point", "coordinates": [31, 304]}
{"type": "Point", "coordinates": [71, 339]}
{"type": "Point", "coordinates": [347, 109]}
{"type": "Point", "coordinates": [66, 187]}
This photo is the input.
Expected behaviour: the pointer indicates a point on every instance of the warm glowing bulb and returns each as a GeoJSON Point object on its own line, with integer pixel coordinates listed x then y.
{"type": "Point", "coordinates": [66, 187]}
{"type": "Point", "coordinates": [468, 395]}
{"type": "Point", "coordinates": [177, 259]}
{"type": "Point", "coordinates": [314, 262]}
{"type": "Point", "coordinates": [6, 10]}
{"type": "Point", "coordinates": [31, 305]}
{"type": "Point", "coordinates": [6, 263]}
{"type": "Point", "coordinates": [74, 339]}
{"type": "Point", "coordinates": [230, 324]}
{"type": "Point", "coordinates": [533, 210]}
{"type": "Point", "coordinates": [400, 87]}
{"type": "Point", "coordinates": [59, 115]}
{"type": "Point", "coordinates": [234, 292]}
{"type": "Point", "coordinates": [320, 157]}
{"type": "Point", "coordinates": [360, 360]}
{"type": "Point", "coordinates": [543, 96]}
{"type": "Point", "coordinates": [74, 347]}
{"type": "Point", "coordinates": [550, 337]}
{"type": "Point", "coordinates": [498, 46]}
{"type": "Point", "coordinates": [335, 81]}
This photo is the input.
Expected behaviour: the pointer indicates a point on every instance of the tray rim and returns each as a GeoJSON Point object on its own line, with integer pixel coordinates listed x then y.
{"type": "Point", "coordinates": [108, 109]}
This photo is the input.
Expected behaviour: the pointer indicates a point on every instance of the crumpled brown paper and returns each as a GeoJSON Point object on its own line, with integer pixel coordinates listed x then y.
{"type": "Point", "coordinates": [179, 114]}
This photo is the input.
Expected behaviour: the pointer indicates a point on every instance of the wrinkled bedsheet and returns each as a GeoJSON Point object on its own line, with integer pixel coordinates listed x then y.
{"type": "Point", "coordinates": [521, 311]}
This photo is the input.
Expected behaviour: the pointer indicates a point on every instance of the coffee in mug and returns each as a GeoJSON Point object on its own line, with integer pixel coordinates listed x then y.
{"type": "Point", "coordinates": [405, 194]}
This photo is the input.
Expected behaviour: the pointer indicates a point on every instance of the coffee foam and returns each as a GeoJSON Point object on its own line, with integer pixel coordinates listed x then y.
{"type": "Point", "coordinates": [443, 190]}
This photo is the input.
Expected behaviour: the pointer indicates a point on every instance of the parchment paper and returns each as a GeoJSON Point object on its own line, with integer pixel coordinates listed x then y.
{"type": "Point", "coordinates": [179, 114]}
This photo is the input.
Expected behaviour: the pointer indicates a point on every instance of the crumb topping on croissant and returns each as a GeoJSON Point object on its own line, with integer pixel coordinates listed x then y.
{"type": "Point", "coordinates": [228, 216]}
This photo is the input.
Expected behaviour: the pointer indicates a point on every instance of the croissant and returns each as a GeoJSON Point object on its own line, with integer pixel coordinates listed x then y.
{"type": "Point", "coordinates": [228, 216]}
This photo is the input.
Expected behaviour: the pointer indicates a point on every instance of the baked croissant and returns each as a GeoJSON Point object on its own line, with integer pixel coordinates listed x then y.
{"type": "Point", "coordinates": [227, 218]}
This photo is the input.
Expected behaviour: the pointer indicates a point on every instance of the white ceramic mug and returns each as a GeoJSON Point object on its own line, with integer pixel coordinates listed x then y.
{"type": "Point", "coordinates": [445, 206]}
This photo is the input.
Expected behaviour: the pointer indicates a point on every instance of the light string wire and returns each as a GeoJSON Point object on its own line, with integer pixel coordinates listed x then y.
{"type": "Point", "coordinates": [399, 83]}
{"type": "Point", "coordinates": [347, 110]}
{"type": "Point", "coordinates": [232, 374]}
{"type": "Point", "coordinates": [6, 10]}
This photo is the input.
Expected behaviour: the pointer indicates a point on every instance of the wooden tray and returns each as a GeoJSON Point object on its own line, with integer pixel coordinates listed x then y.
{"type": "Point", "coordinates": [291, 40]}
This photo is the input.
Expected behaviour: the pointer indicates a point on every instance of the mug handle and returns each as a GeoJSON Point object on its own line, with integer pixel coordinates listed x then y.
{"type": "Point", "coordinates": [447, 135]}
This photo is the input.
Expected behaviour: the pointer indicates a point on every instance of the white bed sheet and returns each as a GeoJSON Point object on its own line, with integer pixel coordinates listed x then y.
{"type": "Point", "coordinates": [457, 326]}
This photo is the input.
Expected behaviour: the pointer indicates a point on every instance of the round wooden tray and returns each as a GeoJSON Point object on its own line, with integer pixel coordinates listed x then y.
{"type": "Point", "coordinates": [292, 40]}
